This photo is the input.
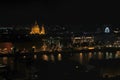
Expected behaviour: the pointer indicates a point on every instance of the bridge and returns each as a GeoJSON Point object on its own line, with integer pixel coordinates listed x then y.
{"type": "Point", "coordinates": [59, 52]}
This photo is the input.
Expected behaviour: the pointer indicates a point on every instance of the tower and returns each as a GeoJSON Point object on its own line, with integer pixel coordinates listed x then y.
{"type": "Point", "coordinates": [107, 30]}
{"type": "Point", "coordinates": [35, 29]}
{"type": "Point", "coordinates": [43, 30]}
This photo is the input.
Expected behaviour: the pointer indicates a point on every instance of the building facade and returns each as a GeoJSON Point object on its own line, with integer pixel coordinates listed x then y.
{"type": "Point", "coordinates": [37, 30]}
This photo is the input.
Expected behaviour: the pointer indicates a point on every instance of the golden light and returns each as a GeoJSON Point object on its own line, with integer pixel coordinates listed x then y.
{"type": "Point", "coordinates": [5, 60]}
{"type": "Point", "coordinates": [81, 57]}
{"type": "Point", "coordinates": [52, 57]}
{"type": "Point", "coordinates": [6, 46]}
{"type": "Point", "coordinates": [33, 47]}
{"type": "Point", "coordinates": [59, 57]}
{"type": "Point", "coordinates": [36, 29]}
{"type": "Point", "coordinates": [24, 57]}
{"type": "Point", "coordinates": [45, 57]}
{"type": "Point", "coordinates": [35, 56]}
{"type": "Point", "coordinates": [90, 48]}
{"type": "Point", "coordinates": [117, 55]}
{"type": "Point", "coordinates": [99, 55]}
{"type": "Point", "coordinates": [89, 55]}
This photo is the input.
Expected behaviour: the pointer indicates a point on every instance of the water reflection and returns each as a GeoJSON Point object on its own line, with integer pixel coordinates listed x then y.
{"type": "Point", "coordinates": [35, 56]}
{"type": "Point", "coordinates": [111, 55]}
{"type": "Point", "coordinates": [117, 55]}
{"type": "Point", "coordinates": [59, 57]}
{"type": "Point", "coordinates": [23, 65]}
{"type": "Point", "coordinates": [45, 57]}
{"type": "Point", "coordinates": [5, 60]}
{"type": "Point", "coordinates": [100, 56]}
{"type": "Point", "coordinates": [90, 55]}
{"type": "Point", "coordinates": [81, 58]}
{"type": "Point", "coordinates": [94, 55]}
{"type": "Point", "coordinates": [52, 57]}
{"type": "Point", "coordinates": [24, 57]}
{"type": "Point", "coordinates": [107, 55]}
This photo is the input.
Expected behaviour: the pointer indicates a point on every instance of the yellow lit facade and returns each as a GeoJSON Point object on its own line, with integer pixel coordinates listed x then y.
{"type": "Point", "coordinates": [36, 29]}
{"type": "Point", "coordinates": [43, 30]}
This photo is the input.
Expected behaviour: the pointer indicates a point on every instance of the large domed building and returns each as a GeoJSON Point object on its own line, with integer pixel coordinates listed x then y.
{"type": "Point", "coordinates": [37, 30]}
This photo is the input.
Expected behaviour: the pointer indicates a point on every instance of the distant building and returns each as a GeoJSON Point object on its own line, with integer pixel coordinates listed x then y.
{"type": "Point", "coordinates": [116, 30]}
{"type": "Point", "coordinates": [36, 29]}
{"type": "Point", "coordinates": [107, 30]}
{"type": "Point", "coordinates": [98, 30]}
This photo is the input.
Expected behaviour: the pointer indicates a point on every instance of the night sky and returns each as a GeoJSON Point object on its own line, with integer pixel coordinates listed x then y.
{"type": "Point", "coordinates": [73, 12]}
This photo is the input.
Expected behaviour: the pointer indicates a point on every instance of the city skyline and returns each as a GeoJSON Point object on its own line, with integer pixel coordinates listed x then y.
{"type": "Point", "coordinates": [59, 40]}
{"type": "Point", "coordinates": [68, 27]}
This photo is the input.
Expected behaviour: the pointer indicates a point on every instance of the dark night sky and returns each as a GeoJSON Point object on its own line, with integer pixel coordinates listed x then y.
{"type": "Point", "coordinates": [59, 12]}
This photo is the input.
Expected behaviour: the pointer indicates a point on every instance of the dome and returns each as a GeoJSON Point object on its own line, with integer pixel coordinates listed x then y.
{"type": "Point", "coordinates": [36, 29]}
{"type": "Point", "coordinates": [107, 30]}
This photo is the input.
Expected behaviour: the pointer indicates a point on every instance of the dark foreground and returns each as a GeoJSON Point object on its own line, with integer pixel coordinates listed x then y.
{"type": "Point", "coordinates": [59, 70]}
{"type": "Point", "coordinates": [43, 70]}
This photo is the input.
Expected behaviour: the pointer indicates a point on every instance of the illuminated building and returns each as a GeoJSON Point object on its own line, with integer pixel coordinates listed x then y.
{"type": "Point", "coordinates": [83, 42]}
{"type": "Point", "coordinates": [44, 47]}
{"type": "Point", "coordinates": [83, 39]}
{"type": "Point", "coordinates": [5, 47]}
{"type": "Point", "coordinates": [43, 30]}
{"type": "Point", "coordinates": [107, 30]}
{"type": "Point", "coordinates": [36, 29]}
{"type": "Point", "coordinates": [117, 30]}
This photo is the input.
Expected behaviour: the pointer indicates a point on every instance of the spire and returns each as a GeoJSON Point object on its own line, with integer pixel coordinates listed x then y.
{"type": "Point", "coordinates": [36, 22]}
{"type": "Point", "coordinates": [43, 30]}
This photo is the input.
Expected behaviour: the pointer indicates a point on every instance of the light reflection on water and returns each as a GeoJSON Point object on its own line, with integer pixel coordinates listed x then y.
{"type": "Point", "coordinates": [117, 55]}
{"type": "Point", "coordinates": [45, 57]}
{"type": "Point", "coordinates": [24, 57]}
{"type": "Point", "coordinates": [100, 56]}
{"type": "Point", "coordinates": [52, 57]}
{"type": "Point", "coordinates": [90, 55]}
{"type": "Point", "coordinates": [59, 57]}
{"type": "Point", "coordinates": [5, 60]}
{"type": "Point", "coordinates": [35, 56]}
{"type": "Point", "coordinates": [82, 58]}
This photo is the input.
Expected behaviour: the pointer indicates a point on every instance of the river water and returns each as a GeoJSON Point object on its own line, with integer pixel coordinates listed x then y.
{"type": "Point", "coordinates": [46, 66]}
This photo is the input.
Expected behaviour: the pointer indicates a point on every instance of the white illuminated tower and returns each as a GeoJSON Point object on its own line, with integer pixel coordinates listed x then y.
{"type": "Point", "coordinates": [107, 30]}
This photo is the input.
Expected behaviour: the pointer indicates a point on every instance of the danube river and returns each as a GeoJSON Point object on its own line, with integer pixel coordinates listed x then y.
{"type": "Point", "coordinates": [31, 67]}
{"type": "Point", "coordinates": [61, 66]}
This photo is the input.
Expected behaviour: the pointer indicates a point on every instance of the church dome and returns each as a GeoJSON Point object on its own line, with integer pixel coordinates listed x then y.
{"type": "Point", "coordinates": [36, 29]}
